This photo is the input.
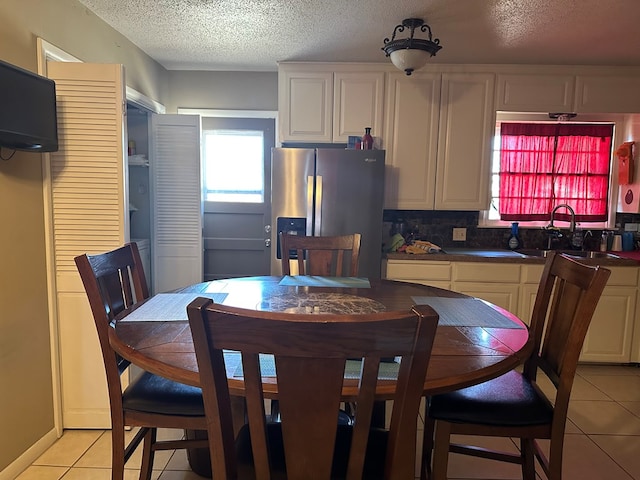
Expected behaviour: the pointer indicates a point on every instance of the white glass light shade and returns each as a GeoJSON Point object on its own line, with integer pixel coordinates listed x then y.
{"type": "Point", "coordinates": [409, 59]}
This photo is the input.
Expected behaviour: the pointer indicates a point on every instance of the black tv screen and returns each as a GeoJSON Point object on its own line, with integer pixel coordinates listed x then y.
{"type": "Point", "coordinates": [27, 110]}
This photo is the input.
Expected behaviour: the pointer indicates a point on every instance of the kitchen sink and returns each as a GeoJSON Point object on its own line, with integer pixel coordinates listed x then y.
{"type": "Point", "coordinates": [486, 253]}
{"type": "Point", "coordinates": [572, 253]}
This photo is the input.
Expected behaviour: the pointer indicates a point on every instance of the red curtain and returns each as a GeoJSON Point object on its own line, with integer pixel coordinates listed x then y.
{"type": "Point", "coordinates": [543, 165]}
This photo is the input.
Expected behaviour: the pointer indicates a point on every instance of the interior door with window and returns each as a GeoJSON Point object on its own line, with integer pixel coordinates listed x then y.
{"type": "Point", "coordinates": [237, 196]}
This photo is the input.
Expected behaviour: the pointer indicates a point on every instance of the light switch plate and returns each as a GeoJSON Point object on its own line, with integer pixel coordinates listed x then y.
{"type": "Point", "coordinates": [459, 234]}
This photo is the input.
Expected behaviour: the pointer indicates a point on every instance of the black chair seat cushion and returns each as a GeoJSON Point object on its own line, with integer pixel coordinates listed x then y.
{"type": "Point", "coordinates": [154, 394]}
{"type": "Point", "coordinates": [508, 400]}
{"type": "Point", "coordinates": [374, 460]}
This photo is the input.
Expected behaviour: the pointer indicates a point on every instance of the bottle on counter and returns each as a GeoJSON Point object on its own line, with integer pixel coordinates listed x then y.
{"type": "Point", "coordinates": [367, 140]}
{"type": "Point", "coordinates": [603, 241]}
{"type": "Point", "coordinates": [514, 239]}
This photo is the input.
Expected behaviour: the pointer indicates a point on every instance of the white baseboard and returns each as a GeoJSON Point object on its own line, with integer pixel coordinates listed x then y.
{"type": "Point", "coordinates": [27, 458]}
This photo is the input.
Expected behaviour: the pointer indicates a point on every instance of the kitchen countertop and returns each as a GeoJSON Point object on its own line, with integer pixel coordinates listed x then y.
{"type": "Point", "coordinates": [614, 259]}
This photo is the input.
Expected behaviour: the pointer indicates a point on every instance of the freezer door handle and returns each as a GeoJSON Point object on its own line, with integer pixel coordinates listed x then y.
{"type": "Point", "coordinates": [318, 206]}
{"type": "Point", "coordinates": [309, 231]}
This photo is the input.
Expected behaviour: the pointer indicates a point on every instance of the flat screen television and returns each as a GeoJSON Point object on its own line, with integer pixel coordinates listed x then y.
{"type": "Point", "coordinates": [27, 110]}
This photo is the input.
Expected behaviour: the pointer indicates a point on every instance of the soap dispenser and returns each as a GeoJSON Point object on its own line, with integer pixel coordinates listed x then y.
{"type": "Point", "coordinates": [514, 239]}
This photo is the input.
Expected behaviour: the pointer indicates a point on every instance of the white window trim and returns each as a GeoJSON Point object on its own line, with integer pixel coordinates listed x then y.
{"type": "Point", "coordinates": [618, 137]}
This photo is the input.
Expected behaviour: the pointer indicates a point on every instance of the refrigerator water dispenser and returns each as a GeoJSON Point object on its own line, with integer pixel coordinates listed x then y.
{"type": "Point", "coordinates": [290, 226]}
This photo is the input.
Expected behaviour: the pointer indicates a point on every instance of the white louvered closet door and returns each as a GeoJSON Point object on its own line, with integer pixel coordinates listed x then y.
{"type": "Point", "coordinates": [176, 201]}
{"type": "Point", "coordinates": [86, 194]}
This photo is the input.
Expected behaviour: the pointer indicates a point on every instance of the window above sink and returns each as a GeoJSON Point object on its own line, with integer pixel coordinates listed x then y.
{"type": "Point", "coordinates": [491, 218]}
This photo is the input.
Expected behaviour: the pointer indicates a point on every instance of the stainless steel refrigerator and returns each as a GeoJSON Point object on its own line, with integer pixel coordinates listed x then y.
{"type": "Point", "coordinates": [326, 192]}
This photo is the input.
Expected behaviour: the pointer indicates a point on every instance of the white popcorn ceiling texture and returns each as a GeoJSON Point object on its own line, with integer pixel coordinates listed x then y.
{"type": "Point", "coordinates": [256, 34]}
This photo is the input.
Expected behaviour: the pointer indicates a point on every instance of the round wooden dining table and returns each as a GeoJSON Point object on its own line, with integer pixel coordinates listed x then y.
{"type": "Point", "coordinates": [475, 340]}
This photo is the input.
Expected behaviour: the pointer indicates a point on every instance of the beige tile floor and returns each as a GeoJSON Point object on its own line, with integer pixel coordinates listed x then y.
{"type": "Point", "coordinates": [602, 441]}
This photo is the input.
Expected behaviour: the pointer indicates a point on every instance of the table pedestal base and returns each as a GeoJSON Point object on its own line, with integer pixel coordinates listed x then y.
{"type": "Point", "coordinates": [199, 459]}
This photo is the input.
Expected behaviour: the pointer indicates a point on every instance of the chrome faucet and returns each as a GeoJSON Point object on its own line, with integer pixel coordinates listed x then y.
{"type": "Point", "coordinates": [554, 232]}
{"type": "Point", "coordinates": [572, 225]}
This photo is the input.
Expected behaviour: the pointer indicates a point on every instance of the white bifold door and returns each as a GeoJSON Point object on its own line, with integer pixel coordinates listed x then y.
{"type": "Point", "coordinates": [86, 194]}
{"type": "Point", "coordinates": [176, 201]}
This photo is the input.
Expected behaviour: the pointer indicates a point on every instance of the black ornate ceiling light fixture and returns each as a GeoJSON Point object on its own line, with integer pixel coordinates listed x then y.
{"type": "Point", "coordinates": [410, 53]}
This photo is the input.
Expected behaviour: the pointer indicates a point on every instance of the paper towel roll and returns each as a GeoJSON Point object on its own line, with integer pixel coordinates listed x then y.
{"type": "Point", "coordinates": [616, 246]}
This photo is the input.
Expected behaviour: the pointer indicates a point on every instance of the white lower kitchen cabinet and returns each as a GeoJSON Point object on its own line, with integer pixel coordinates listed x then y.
{"type": "Point", "coordinates": [635, 338]}
{"type": "Point", "coordinates": [503, 295]}
{"type": "Point", "coordinates": [528, 290]}
{"type": "Point", "coordinates": [496, 283]}
{"type": "Point", "coordinates": [609, 338]}
{"type": "Point", "coordinates": [435, 274]}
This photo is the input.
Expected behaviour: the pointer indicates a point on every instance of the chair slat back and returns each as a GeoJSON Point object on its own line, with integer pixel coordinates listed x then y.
{"type": "Point", "coordinates": [329, 256]}
{"type": "Point", "coordinates": [567, 297]}
{"type": "Point", "coordinates": [113, 281]}
{"type": "Point", "coordinates": [310, 352]}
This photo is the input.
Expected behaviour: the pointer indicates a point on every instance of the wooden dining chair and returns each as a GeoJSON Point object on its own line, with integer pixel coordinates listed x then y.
{"type": "Point", "coordinates": [324, 255]}
{"type": "Point", "coordinates": [309, 354]}
{"type": "Point", "coordinates": [514, 405]}
{"type": "Point", "coordinates": [113, 282]}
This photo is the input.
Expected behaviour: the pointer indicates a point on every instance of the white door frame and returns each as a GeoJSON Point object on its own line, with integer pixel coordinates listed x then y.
{"type": "Point", "coordinates": [48, 52]}
{"type": "Point", "coordinates": [212, 112]}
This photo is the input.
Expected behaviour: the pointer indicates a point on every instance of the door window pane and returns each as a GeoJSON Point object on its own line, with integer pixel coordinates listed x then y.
{"type": "Point", "coordinates": [234, 166]}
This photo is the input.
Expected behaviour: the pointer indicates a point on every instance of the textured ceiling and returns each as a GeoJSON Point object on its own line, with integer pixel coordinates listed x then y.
{"type": "Point", "coordinates": [255, 34]}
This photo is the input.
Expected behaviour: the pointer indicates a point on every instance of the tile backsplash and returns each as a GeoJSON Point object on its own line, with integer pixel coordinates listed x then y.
{"type": "Point", "coordinates": [437, 226]}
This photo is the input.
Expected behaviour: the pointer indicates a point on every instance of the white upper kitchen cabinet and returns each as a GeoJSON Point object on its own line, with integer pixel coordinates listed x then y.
{"type": "Point", "coordinates": [411, 139]}
{"type": "Point", "coordinates": [305, 106]}
{"type": "Point", "coordinates": [467, 126]}
{"type": "Point", "coordinates": [607, 94]}
{"type": "Point", "coordinates": [357, 103]}
{"type": "Point", "coordinates": [438, 140]}
{"type": "Point", "coordinates": [535, 93]}
{"type": "Point", "coordinates": [326, 103]}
